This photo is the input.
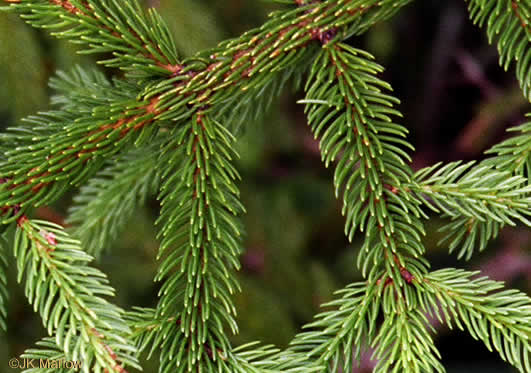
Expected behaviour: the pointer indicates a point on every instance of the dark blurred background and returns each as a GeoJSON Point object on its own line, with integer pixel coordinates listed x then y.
{"type": "Point", "coordinates": [456, 101]}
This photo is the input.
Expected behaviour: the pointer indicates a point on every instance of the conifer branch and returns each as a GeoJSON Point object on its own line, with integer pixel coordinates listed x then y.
{"type": "Point", "coordinates": [514, 154]}
{"type": "Point", "coordinates": [62, 154]}
{"type": "Point", "coordinates": [146, 326]}
{"type": "Point", "coordinates": [404, 344]}
{"type": "Point", "coordinates": [201, 240]}
{"type": "Point", "coordinates": [499, 318]}
{"type": "Point", "coordinates": [138, 40]}
{"type": "Point", "coordinates": [509, 23]}
{"type": "Point", "coordinates": [238, 111]}
{"type": "Point", "coordinates": [236, 66]}
{"type": "Point", "coordinates": [337, 337]}
{"type": "Point", "coordinates": [104, 206]}
{"type": "Point", "coordinates": [348, 109]}
{"type": "Point", "coordinates": [68, 295]}
{"type": "Point", "coordinates": [148, 329]}
{"type": "Point", "coordinates": [171, 110]}
{"type": "Point", "coordinates": [82, 90]}
{"type": "Point", "coordinates": [478, 199]}
{"type": "Point", "coordinates": [249, 62]}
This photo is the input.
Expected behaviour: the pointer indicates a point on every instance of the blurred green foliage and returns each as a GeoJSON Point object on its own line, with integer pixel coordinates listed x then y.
{"type": "Point", "coordinates": [23, 89]}
{"type": "Point", "coordinates": [296, 253]}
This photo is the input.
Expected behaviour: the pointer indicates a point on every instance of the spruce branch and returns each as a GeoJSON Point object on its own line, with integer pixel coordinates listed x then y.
{"type": "Point", "coordinates": [138, 40]}
{"type": "Point", "coordinates": [509, 23]}
{"type": "Point", "coordinates": [219, 72]}
{"type": "Point", "coordinates": [81, 90]}
{"type": "Point", "coordinates": [49, 166]}
{"type": "Point", "coordinates": [514, 154]}
{"type": "Point", "coordinates": [349, 111]}
{"type": "Point", "coordinates": [252, 357]}
{"type": "Point", "coordinates": [201, 241]}
{"type": "Point", "coordinates": [172, 110]}
{"type": "Point", "coordinates": [104, 206]}
{"type": "Point", "coordinates": [499, 318]}
{"type": "Point", "coordinates": [478, 199]}
{"type": "Point", "coordinates": [404, 344]}
{"type": "Point", "coordinates": [56, 154]}
{"type": "Point", "coordinates": [339, 336]}
{"type": "Point", "coordinates": [148, 328]}
{"type": "Point", "coordinates": [336, 337]}
{"type": "Point", "coordinates": [68, 294]}
{"type": "Point", "coordinates": [250, 61]}
{"type": "Point", "coordinates": [242, 109]}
